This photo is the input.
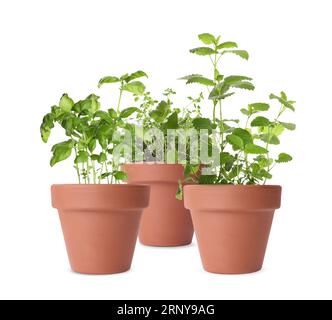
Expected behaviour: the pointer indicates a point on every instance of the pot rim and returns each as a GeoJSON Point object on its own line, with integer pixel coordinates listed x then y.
{"type": "Point", "coordinates": [237, 186]}
{"type": "Point", "coordinates": [152, 164]}
{"type": "Point", "coordinates": [101, 185]}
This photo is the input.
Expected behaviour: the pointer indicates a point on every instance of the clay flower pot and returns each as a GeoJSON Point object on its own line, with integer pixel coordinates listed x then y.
{"type": "Point", "coordinates": [232, 224]}
{"type": "Point", "coordinates": [100, 224]}
{"type": "Point", "coordinates": [165, 222]}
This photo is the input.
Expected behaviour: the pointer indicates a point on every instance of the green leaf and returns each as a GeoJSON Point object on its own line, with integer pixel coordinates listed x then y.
{"type": "Point", "coordinates": [94, 103]}
{"type": "Point", "coordinates": [112, 113]}
{"type": "Point", "coordinates": [66, 103]}
{"type": "Point", "coordinates": [207, 38]}
{"type": "Point", "coordinates": [179, 192]}
{"type": "Point", "coordinates": [270, 138]}
{"type": "Point", "coordinates": [161, 112]}
{"type": "Point", "coordinates": [61, 151]}
{"type": "Point", "coordinates": [219, 91]}
{"type": "Point", "coordinates": [244, 135]}
{"type": "Point", "coordinates": [284, 102]}
{"type": "Point", "coordinates": [235, 79]}
{"type": "Point", "coordinates": [241, 53]}
{"type": "Point", "coordinates": [109, 79]}
{"type": "Point", "coordinates": [259, 106]}
{"type": "Point", "coordinates": [173, 121]}
{"type": "Point", "coordinates": [135, 87]}
{"type": "Point", "coordinates": [207, 179]}
{"type": "Point", "coordinates": [104, 115]}
{"type": "Point", "coordinates": [260, 122]}
{"type": "Point", "coordinates": [135, 75]}
{"type": "Point", "coordinates": [255, 149]}
{"type": "Point", "coordinates": [46, 126]}
{"type": "Point", "coordinates": [105, 175]}
{"type": "Point", "coordinates": [226, 157]}
{"type": "Point", "coordinates": [288, 126]}
{"type": "Point", "coordinates": [102, 157]}
{"type": "Point", "coordinates": [95, 157]}
{"type": "Point", "coordinates": [92, 144]}
{"type": "Point", "coordinates": [243, 85]}
{"type": "Point", "coordinates": [244, 111]}
{"type": "Point", "coordinates": [202, 123]}
{"type": "Point", "coordinates": [203, 51]}
{"type": "Point", "coordinates": [235, 141]}
{"type": "Point", "coordinates": [81, 157]}
{"type": "Point", "coordinates": [284, 157]}
{"type": "Point", "coordinates": [196, 78]}
{"type": "Point", "coordinates": [128, 112]}
{"type": "Point", "coordinates": [227, 45]}
{"type": "Point", "coordinates": [120, 175]}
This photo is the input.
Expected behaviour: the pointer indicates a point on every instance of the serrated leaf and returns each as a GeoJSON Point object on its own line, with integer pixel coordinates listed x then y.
{"type": "Point", "coordinates": [226, 157]}
{"type": "Point", "coordinates": [173, 121]}
{"type": "Point", "coordinates": [218, 91]}
{"type": "Point", "coordinates": [284, 157]}
{"type": "Point", "coordinates": [200, 80]}
{"type": "Point", "coordinates": [243, 85]}
{"type": "Point", "coordinates": [284, 102]}
{"type": "Point", "coordinates": [241, 53]}
{"type": "Point", "coordinates": [234, 79]}
{"type": "Point", "coordinates": [128, 112]}
{"type": "Point", "coordinates": [202, 123]}
{"type": "Point", "coordinates": [255, 149]}
{"type": "Point", "coordinates": [227, 45]}
{"type": "Point", "coordinates": [135, 75]}
{"type": "Point", "coordinates": [207, 38]}
{"type": "Point", "coordinates": [259, 106]}
{"type": "Point", "coordinates": [244, 135]}
{"type": "Point", "coordinates": [288, 126]}
{"type": "Point", "coordinates": [270, 138]}
{"type": "Point", "coordinates": [161, 112]}
{"type": "Point", "coordinates": [66, 103]}
{"type": "Point", "coordinates": [109, 79]}
{"type": "Point", "coordinates": [203, 51]}
{"type": "Point", "coordinates": [260, 122]}
{"type": "Point", "coordinates": [235, 141]}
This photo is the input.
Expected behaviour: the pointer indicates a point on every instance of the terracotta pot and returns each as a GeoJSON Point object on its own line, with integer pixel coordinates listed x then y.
{"type": "Point", "coordinates": [232, 224]}
{"type": "Point", "coordinates": [165, 222]}
{"type": "Point", "coordinates": [100, 224]}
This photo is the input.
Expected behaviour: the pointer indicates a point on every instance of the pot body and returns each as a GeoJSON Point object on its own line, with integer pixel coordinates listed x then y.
{"type": "Point", "coordinates": [100, 224]}
{"type": "Point", "coordinates": [232, 224]}
{"type": "Point", "coordinates": [165, 222]}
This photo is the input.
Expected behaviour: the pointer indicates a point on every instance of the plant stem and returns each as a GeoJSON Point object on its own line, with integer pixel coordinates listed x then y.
{"type": "Point", "coordinates": [77, 168]}
{"type": "Point", "coordinates": [268, 156]}
{"type": "Point", "coordinates": [94, 172]}
{"type": "Point", "coordinates": [119, 102]}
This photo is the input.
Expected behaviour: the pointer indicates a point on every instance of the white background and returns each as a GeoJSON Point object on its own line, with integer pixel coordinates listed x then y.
{"type": "Point", "coordinates": [51, 47]}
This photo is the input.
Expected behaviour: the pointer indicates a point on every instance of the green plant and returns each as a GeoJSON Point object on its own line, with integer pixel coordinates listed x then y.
{"type": "Point", "coordinates": [91, 138]}
{"type": "Point", "coordinates": [243, 147]}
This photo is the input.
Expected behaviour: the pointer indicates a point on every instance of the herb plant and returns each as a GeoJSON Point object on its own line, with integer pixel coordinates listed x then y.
{"type": "Point", "coordinates": [91, 132]}
{"type": "Point", "coordinates": [244, 147]}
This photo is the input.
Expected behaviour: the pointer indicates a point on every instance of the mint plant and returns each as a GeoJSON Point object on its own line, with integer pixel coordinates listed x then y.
{"type": "Point", "coordinates": [244, 147]}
